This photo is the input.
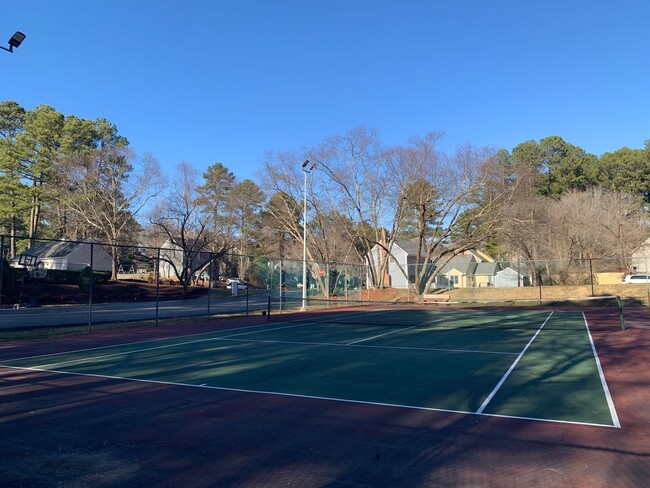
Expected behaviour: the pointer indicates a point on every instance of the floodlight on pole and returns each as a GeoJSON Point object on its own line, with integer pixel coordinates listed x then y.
{"type": "Point", "coordinates": [15, 41]}
{"type": "Point", "coordinates": [306, 170]}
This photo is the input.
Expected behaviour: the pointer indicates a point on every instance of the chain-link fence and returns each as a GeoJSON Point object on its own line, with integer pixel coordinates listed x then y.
{"type": "Point", "coordinates": [70, 283]}
{"type": "Point", "coordinates": [57, 283]}
{"type": "Point", "coordinates": [466, 279]}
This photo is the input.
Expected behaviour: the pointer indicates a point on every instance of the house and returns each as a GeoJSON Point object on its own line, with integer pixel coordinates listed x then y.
{"type": "Point", "coordinates": [464, 271]}
{"type": "Point", "coordinates": [457, 273]}
{"type": "Point", "coordinates": [66, 255]}
{"type": "Point", "coordinates": [394, 267]}
{"type": "Point", "coordinates": [471, 268]}
{"type": "Point", "coordinates": [485, 274]}
{"type": "Point", "coordinates": [509, 278]}
{"type": "Point", "coordinates": [640, 262]}
{"type": "Point", "coordinates": [172, 256]}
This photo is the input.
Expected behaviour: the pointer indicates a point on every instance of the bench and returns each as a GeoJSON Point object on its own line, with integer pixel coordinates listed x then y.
{"type": "Point", "coordinates": [435, 297]}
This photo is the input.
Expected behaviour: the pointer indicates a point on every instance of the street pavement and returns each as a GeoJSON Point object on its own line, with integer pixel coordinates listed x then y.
{"type": "Point", "coordinates": [56, 315]}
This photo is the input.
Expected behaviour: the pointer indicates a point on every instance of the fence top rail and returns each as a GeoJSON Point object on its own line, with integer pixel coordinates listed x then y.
{"type": "Point", "coordinates": [161, 248]}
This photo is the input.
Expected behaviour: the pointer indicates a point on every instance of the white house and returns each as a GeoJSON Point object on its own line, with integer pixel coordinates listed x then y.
{"type": "Point", "coordinates": [71, 256]}
{"type": "Point", "coordinates": [508, 278]}
{"type": "Point", "coordinates": [395, 266]}
{"type": "Point", "coordinates": [172, 255]}
{"type": "Point", "coordinates": [471, 268]}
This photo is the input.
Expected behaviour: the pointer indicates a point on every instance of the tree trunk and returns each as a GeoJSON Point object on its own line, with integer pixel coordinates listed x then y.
{"type": "Point", "coordinates": [34, 215]}
{"type": "Point", "coordinates": [113, 262]}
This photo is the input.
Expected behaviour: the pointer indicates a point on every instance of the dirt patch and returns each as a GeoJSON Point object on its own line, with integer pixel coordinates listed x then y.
{"type": "Point", "coordinates": [388, 295]}
{"type": "Point", "coordinates": [631, 294]}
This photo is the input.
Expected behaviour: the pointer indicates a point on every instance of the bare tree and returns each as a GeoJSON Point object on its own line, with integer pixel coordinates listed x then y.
{"type": "Point", "coordinates": [370, 192]}
{"type": "Point", "coordinates": [107, 188]}
{"type": "Point", "coordinates": [558, 236]}
{"type": "Point", "coordinates": [362, 187]}
{"type": "Point", "coordinates": [283, 175]}
{"type": "Point", "coordinates": [457, 203]}
{"type": "Point", "coordinates": [181, 219]}
{"type": "Point", "coordinates": [283, 209]}
{"type": "Point", "coordinates": [598, 223]}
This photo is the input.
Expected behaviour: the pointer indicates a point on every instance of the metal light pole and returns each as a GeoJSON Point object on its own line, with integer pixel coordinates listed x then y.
{"type": "Point", "coordinates": [304, 235]}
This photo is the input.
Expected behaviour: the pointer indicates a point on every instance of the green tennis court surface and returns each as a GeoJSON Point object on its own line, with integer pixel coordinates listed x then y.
{"type": "Point", "coordinates": [525, 364]}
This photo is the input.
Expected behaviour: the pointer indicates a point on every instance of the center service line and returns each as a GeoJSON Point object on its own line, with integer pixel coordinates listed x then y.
{"type": "Point", "coordinates": [505, 376]}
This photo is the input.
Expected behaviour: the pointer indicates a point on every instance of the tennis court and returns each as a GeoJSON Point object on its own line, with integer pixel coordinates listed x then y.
{"type": "Point", "coordinates": [536, 365]}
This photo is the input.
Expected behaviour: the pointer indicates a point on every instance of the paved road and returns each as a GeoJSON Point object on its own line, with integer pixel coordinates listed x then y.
{"type": "Point", "coordinates": [122, 312]}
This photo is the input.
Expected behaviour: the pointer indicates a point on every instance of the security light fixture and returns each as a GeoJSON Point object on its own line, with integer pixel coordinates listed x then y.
{"type": "Point", "coordinates": [304, 166]}
{"type": "Point", "coordinates": [15, 41]}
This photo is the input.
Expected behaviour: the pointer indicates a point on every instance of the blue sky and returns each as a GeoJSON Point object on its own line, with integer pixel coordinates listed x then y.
{"type": "Point", "coordinates": [216, 81]}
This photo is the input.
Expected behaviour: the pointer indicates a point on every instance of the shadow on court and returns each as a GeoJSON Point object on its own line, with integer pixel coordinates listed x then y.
{"type": "Point", "coordinates": [63, 430]}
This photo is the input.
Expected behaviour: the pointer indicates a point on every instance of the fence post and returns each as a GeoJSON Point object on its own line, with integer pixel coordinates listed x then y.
{"type": "Point", "coordinates": [539, 280]}
{"type": "Point", "coordinates": [647, 271]}
{"type": "Point", "coordinates": [157, 283]}
{"type": "Point", "coordinates": [90, 289]}
{"type": "Point", "coordinates": [591, 275]}
{"type": "Point", "coordinates": [210, 281]}
{"type": "Point", "coordinates": [2, 264]}
{"type": "Point", "coordinates": [246, 279]}
{"type": "Point", "coordinates": [619, 302]}
{"type": "Point", "coordinates": [281, 282]}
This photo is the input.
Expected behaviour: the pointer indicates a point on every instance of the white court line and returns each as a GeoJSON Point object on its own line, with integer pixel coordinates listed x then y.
{"type": "Point", "coordinates": [312, 397]}
{"type": "Point", "coordinates": [512, 366]}
{"type": "Point", "coordinates": [381, 335]}
{"type": "Point", "coordinates": [145, 349]}
{"type": "Point", "coordinates": [266, 330]}
{"type": "Point", "coordinates": [608, 396]}
{"type": "Point", "coordinates": [398, 348]}
{"type": "Point", "coordinates": [232, 338]}
{"type": "Point", "coordinates": [401, 329]}
{"type": "Point", "coordinates": [294, 323]}
{"type": "Point", "coordinates": [134, 351]}
{"type": "Point", "coordinates": [136, 342]}
{"type": "Point", "coordinates": [306, 321]}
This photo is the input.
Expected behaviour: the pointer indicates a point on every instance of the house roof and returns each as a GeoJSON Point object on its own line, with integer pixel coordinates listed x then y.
{"type": "Point", "coordinates": [486, 269]}
{"type": "Point", "coordinates": [464, 264]}
{"type": "Point", "coordinates": [55, 249]}
{"type": "Point", "coordinates": [410, 246]}
{"type": "Point", "coordinates": [481, 255]}
{"type": "Point", "coordinates": [509, 270]}
{"type": "Point", "coordinates": [191, 243]}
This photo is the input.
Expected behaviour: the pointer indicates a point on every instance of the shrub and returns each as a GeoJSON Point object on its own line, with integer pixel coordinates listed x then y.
{"type": "Point", "coordinates": [8, 278]}
{"type": "Point", "coordinates": [84, 279]}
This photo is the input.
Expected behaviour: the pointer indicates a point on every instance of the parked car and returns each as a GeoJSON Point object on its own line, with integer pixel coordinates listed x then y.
{"type": "Point", "coordinates": [637, 278]}
{"type": "Point", "coordinates": [240, 284]}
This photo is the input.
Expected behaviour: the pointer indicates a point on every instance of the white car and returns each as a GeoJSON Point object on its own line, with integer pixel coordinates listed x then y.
{"type": "Point", "coordinates": [637, 278]}
{"type": "Point", "coordinates": [240, 284]}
